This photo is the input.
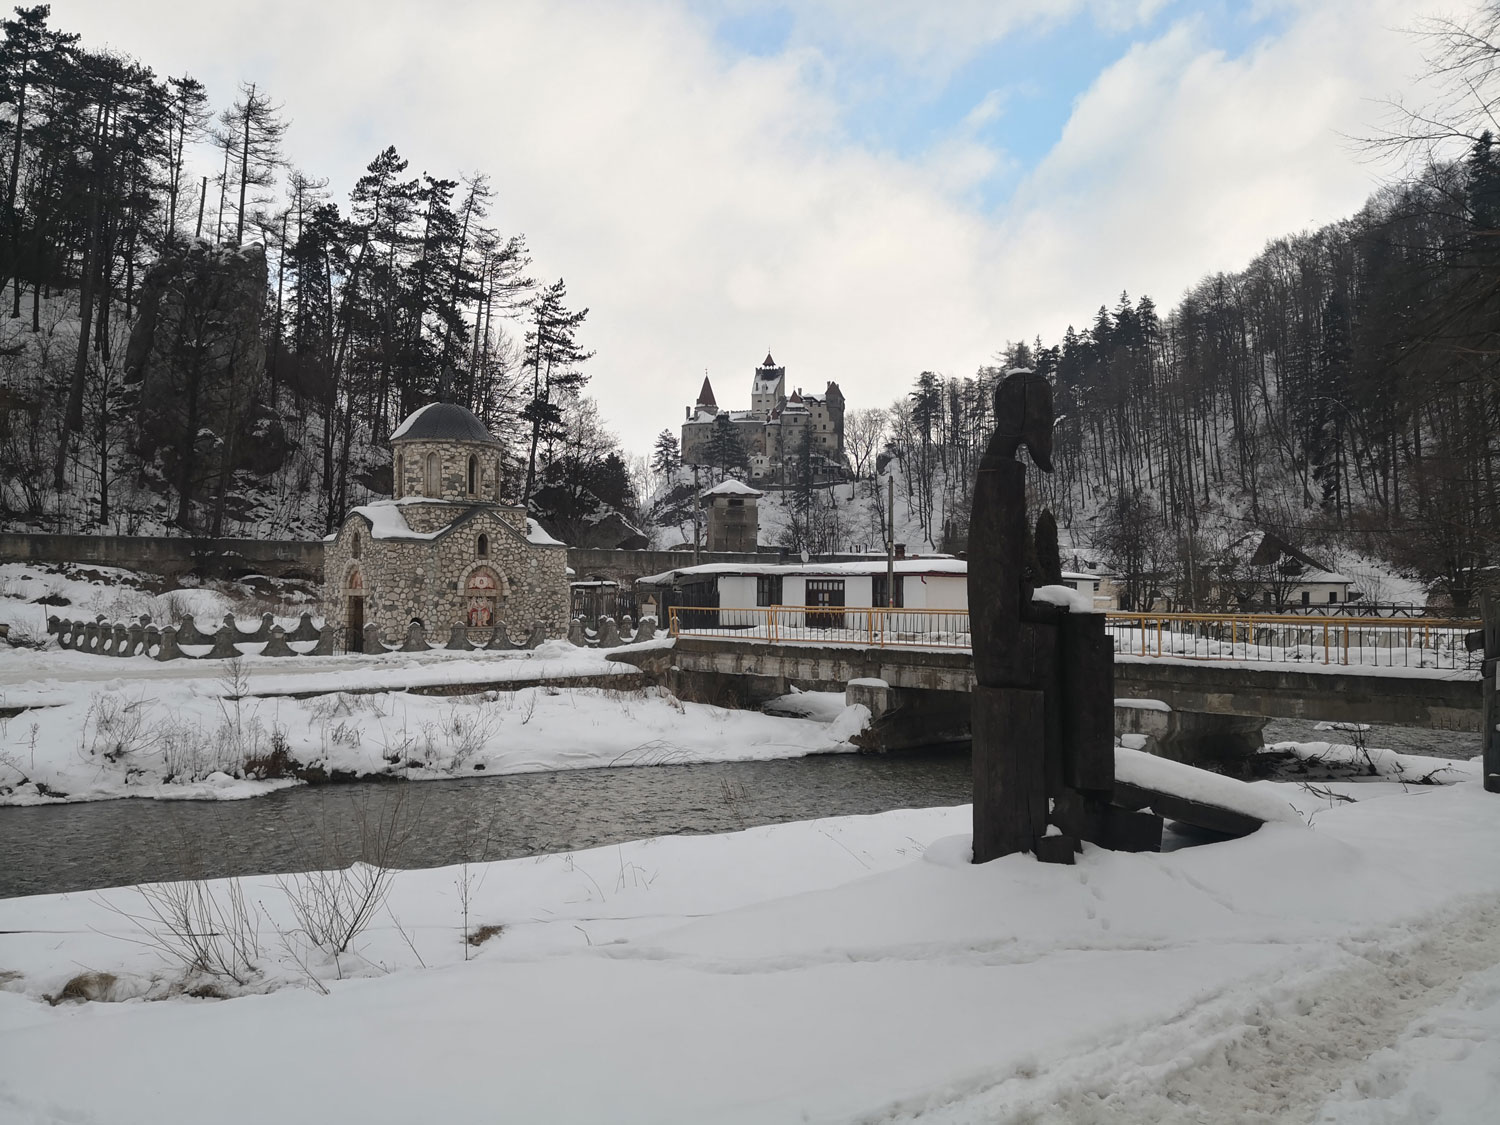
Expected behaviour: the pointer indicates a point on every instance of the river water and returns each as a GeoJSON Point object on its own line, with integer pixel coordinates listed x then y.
{"type": "Point", "coordinates": [54, 848]}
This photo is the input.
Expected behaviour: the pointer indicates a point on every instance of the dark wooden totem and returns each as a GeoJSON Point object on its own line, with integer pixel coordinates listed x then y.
{"type": "Point", "coordinates": [1043, 704]}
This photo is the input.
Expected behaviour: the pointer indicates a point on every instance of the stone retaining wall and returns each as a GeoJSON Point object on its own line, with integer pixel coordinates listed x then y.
{"type": "Point", "coordinates": [171, 557]}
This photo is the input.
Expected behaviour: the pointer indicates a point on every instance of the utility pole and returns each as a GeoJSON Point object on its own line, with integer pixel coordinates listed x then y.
{"type": "Point", "coordinates": [1491, 712]}
{"type": "Point", "coordinates": [697, 509]}
{"type": "Point", "coordinates": [890, 541]}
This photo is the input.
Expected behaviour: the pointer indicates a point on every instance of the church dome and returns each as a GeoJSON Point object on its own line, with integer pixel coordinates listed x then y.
{"type": "Point", "coordinates": [444, 421]}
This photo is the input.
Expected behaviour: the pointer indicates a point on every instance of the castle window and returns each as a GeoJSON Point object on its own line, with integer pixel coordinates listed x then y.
{"type": "Point", "coordinates": [433, 486]}
{"type": "Point", "coordinates": [482, 546]}
{"type": "Point", "coordinates": [473, 475]}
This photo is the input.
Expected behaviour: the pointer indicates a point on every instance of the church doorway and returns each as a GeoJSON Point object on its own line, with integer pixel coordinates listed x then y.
{"type": "Point", "coordinates": [354, 614]}
{"type": "Point", "coordinates": [483, 596]}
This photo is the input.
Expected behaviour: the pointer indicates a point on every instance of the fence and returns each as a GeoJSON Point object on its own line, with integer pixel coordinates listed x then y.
{"type": "Point", "coordinates": [1261, 638]}
{"type": "Point", "coordinates": [1296, 639]}
{"type": "Point", "coordinates": [837, 625]}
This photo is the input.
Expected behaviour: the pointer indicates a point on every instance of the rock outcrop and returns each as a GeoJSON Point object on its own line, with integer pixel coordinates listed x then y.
{"type": "Point", "coordinates": [197, 355]}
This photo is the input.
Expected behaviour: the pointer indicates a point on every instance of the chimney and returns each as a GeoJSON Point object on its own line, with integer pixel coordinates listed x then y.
{"type": "Point", "coordinates": [901, 550]}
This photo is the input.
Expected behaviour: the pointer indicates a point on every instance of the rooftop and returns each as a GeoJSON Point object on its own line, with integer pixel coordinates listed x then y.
{"type": "Point", "coordinates": [444, 421]}
{"type": "Point", "coordinates": [732, 487]}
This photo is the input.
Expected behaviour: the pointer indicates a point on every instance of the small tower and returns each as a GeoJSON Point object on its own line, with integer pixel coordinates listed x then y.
{"type": "Point", "coordinates": [733, 517]}
{"type": "Point", "coordinates": [768, 388]}
{"type": "Point", "coordinates": [443, 452]}
{"type": "Point", "coordinates": [706, 398]}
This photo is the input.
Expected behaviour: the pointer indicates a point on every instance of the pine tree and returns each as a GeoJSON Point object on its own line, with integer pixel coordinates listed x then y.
{"type": "Point", "coordinates": [188, 122]}
{"type": "Point", "coordinates": [553, 359]}
{"type": "Point", "coordinates": [256, 129]}
{"type": "Point", "coordinates": [724, 449]}
{"type": "Point", "coordinates": [666, 456]}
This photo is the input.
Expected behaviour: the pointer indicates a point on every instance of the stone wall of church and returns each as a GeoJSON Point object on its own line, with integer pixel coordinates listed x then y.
{"type": "Point", "coordinates": [428, 579]}
{"type": "Point", "coordinates": [410, 468]}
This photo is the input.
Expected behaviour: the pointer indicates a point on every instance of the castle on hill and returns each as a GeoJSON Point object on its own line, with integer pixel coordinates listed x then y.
{"type": "Point", "coordinates": [773, 431]}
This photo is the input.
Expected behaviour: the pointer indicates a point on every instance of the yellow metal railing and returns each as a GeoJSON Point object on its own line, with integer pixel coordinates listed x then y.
{"type": "Point", "coordinates": [1295, 638]}
{"type": "Point", "coordinates": [862, 625]}
{"type": "Point", "coordinates": [1262, 638]}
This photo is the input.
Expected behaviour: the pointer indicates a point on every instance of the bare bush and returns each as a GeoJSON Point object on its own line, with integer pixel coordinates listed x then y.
{"type": "Point", "coordinates": [208, 928]}
{"type": "Point", "coordinates": [115, 728]}
{"type": "Point", "coordinates": [335, 903]}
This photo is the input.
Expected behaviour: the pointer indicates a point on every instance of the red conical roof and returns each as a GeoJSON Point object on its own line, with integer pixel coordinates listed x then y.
{"type": "Point", "coordinates": [706, 395]}
{"type": "Point", "coordinates": [769, 361]}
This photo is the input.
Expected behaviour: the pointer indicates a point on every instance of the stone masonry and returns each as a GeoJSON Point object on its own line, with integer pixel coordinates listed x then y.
{"type": "Point", "coordinates": [444, 553]}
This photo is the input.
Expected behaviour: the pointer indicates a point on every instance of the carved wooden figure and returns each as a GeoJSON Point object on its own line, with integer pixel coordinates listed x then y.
{"type": "Point", "coordinates": [1043, 704]}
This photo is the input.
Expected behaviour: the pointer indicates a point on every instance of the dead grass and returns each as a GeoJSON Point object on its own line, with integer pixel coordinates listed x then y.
{"type": "Point", "coordinates": [482, 934]}
{"type": "Point", "coordinates": [86, 986]}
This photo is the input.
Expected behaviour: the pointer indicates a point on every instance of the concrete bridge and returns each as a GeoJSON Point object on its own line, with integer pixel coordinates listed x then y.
{"type": "Point", "coordinates": [932, 685]}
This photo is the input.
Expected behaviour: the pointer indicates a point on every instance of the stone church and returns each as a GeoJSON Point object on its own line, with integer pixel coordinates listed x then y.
{"type": "Point", "coordinates": [445, 550]}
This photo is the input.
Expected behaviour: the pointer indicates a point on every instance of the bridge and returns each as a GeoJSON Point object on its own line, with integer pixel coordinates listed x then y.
{"type": "Point", "coordinates": [1399, 673]}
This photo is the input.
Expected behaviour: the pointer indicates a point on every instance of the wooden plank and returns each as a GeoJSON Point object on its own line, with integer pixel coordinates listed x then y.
{"type": "Point", "coordinates": [1086, 674]}
{"type": "Point", "coordinates": [1010, 797]}
{"type": "Point", "coordinates": [1201, 815]}
{"type": "Point", "coordinates": [1490, 711]}
{"type": "Point", "coordinates": [997, 528]}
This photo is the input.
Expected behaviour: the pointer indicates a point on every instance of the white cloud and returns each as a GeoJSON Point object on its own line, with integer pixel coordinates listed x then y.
{"type": "Point", "coordinates": [707, 206]}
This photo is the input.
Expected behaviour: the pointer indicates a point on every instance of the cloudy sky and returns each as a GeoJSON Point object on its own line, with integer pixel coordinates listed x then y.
{"type": "Point", "coordinates": [869, 188]}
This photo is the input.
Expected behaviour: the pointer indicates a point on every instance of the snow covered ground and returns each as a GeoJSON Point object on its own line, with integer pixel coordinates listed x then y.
{"type": "Point", "coordinates": [225, 733]}
{"type": "Point", "coordinates": [89, 727]}
{"type": "Point", "coordinates": [856, 969]}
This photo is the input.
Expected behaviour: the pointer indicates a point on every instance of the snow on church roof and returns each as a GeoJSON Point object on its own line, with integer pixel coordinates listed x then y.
{"type": "Point", "coordinates": [387, 522]}
{"type": "Point", "coordinates": [443, 421]}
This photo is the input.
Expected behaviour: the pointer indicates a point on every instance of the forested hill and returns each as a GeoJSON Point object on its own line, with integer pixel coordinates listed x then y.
{"type": "Point", "coordinates": [1341, 390]}
{"type": "Point", "coordinates": [374, 303]}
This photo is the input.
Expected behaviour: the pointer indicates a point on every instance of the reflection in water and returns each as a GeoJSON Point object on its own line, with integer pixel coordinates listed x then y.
{"type": "Point", "coordinates": [113, 843]}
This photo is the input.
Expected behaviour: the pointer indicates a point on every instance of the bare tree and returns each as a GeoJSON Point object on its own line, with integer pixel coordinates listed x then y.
{"type": "Point", "coordinates": [864, 433]}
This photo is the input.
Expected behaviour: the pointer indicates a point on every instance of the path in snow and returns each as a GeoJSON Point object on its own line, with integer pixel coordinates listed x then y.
{"type": "Point", "coordinates": [1276, 1052]}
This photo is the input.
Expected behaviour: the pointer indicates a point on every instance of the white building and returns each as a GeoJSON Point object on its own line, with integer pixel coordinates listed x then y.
{"type": "Point", "coordinates": [936, 582]}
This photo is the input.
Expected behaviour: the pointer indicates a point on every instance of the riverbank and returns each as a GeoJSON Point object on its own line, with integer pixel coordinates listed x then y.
{"type": "Point", "coordinates": [849, 969]}
{"type": "Point", "coordinates": [241, 733]}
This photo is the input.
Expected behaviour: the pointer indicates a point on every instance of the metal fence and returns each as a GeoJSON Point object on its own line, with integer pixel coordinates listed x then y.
{"type": "Point", "coordinates": [1296, 639]}
{"type": "Point", "coordinates": [1259, 638]}
{"type": "Point", "coordinates": [835, 625]}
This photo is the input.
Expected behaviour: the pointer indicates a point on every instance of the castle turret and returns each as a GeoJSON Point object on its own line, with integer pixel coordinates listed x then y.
{"type": "Point", "coordinates": [768, 388]}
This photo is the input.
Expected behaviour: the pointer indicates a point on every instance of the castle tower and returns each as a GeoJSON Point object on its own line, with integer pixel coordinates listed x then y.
{"type": "Point", "coordinates": [768, 388]}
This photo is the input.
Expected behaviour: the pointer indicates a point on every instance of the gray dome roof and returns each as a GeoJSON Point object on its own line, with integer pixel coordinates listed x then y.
{"type": "Point", "coordinates": [444, 421]}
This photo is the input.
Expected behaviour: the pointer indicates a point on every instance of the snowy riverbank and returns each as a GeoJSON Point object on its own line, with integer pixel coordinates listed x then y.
{"type": "Point", "coordinates": [205, 738]}
{"type": "Point", "coordinates": [849, 969]}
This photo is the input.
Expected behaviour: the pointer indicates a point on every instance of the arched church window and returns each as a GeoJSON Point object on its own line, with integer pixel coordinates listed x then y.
{"type": "Point", "coordinates": [433, 486]}
{"type": "Point", "coordinates": [356, 547]}
{"type": "Point", "coordinates": [473, 475]}
{"type": "Point", "coordinates": [482, 546]}
{"type": "Point", "coordinates": [400, 472]}
{"type": "Point", "coordinates": [497, 478]}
